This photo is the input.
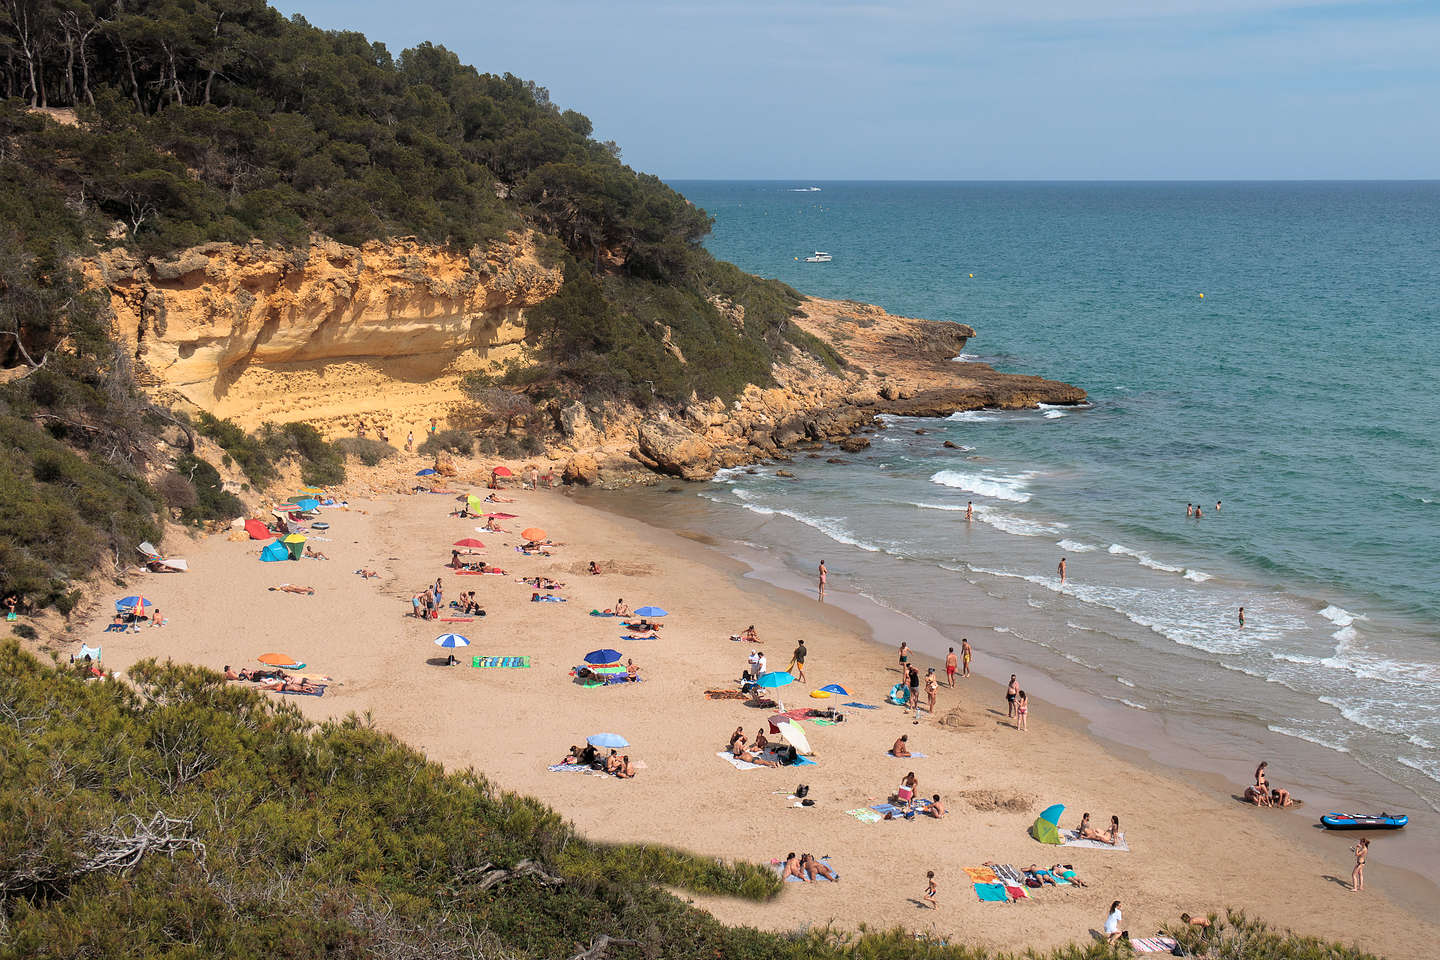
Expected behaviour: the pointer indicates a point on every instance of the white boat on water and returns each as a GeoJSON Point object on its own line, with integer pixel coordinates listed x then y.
{"type": "Point", "coordinates": [819, 256]}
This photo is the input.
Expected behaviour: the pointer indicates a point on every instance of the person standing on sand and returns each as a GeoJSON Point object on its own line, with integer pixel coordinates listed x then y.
{"type": "Point", "coordinates": [1022, 709]}
{"type": "Point", "coordinates": [914, 684]}
{"type": "Point", "coordinates": [932, 688]}
{"type": "Point", "coordinates": [904, 660]}
{"type": "Point", "coordinates": [432, 426]}
{"type": "Point", "coordinates": [931, 890]}
{"type": "Point", "coordinates": [951, 662]}
{"type": "Point", "coordinates": [964, 657]}
{"type": "Point", "coordinates": [1242, 618]}
{"type": "Point", "coordinates": [1061, 568]}
{"type": "Point", "coordinates": [1357, 876]}
{"type": "Point", "coordinates": [410, 441]}
{"type": "Point", "coordinates": [824, 575]}
{"type": "Point", "coordinates": [1011, 692]}
{"type": "Point", "coordinates": [798, 662]}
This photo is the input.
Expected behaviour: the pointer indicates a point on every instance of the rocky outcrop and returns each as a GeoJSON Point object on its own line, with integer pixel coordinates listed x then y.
{"type": "Point", "coordinates": [334, 334]}
{"type": "Point", "coordinates": [671, 448]}
{"type": "Point", "coordinates": [581, 469]}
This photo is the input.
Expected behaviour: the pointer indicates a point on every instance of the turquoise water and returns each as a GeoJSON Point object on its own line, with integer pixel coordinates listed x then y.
{"type": "Point", "coordinates": [1299, 390]}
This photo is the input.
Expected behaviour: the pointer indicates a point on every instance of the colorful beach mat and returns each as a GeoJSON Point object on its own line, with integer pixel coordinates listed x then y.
{"type": "Point", "coordinates": [981, 874]}
{"type": "Point", "coordinates": [865, 815]}
{"type": "Point", "coordinates": [1153, 944]}
{"type": "Point", "coordinates": [862, 706]}
{"type": "Point", "coordinates": [507, 662]}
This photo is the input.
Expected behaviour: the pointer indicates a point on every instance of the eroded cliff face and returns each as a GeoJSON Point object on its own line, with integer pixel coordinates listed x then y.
{"type": "Point", "coordinates": [332, 334]}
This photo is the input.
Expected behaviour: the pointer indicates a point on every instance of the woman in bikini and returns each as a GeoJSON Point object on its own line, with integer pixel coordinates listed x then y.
{"type": "Point", "coordinates": [1022, 709]}
{"type": "Point", "coordinates": [1087, 832]}
{"type": "Point", "coordinates": [1112, 836]}
{"type": "Point", "coordinates": [1357, 876]}
{"type": "Point", "coordinates": [812, 867]}
{"type": "Point", "coordinates": [793, 868]}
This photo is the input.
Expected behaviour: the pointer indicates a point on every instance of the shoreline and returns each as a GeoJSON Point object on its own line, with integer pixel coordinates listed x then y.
{"type": "Point", "coordinates": [1174, 747]}
{"type": "Point", "coordinates": [509, 724]}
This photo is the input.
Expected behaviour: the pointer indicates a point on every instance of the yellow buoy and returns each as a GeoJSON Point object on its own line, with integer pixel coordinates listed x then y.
{"type": "Point", "coordinates": [972, 276]}
{"type": "Point", "coordinates": [1202, 296]}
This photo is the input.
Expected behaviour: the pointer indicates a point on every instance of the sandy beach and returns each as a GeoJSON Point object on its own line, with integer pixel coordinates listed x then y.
{"type": "Point", "coordinates": [1190, 849]}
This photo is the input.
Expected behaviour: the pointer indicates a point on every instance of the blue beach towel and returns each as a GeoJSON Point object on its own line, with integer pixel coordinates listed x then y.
{"type": "Point", "coordinates": [566, 767]}
{"type": "Point", "coordinates": [825, 860]}
{"type": "Point", "coordinates": [862, 706]}
{"type": "Point", "coordinates": [547, 599]}
{"type": "Point", "coordinates": [651, 637]}
{"type": "Point", "coordinates": [803, 761]}
{"type": "Point", "coordinates": [913, 756]}
{"type": "Point", "coordinates": [991, 892]}
{"type": "Point", "coordinates": [597, 613]}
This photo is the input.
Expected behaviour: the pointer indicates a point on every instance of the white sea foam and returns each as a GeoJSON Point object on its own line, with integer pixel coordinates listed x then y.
{"type": "Point", "coordinates": [1143, 558]}
{"type": "Point", "coordinates": [728, 475]}
{"type": "Point", "coordinates": [1019, 526]}
{"type": "Point", "coordinates": [1053, 414]}
{"type": "Point", "coordinates": [1345, 634]}
{"type": "Point", "coordinates": [947, 507]}
{"type": "Point", "coordinates": [973, 416]}
{"type": "Point", "coordinates": [994, 486]}
{"type": "Point", "coordinates": [1197, 576]}
{"type": "Point", "coordinates": [1420, 742]}
{"type": "Point", "coordinates": [1430, 769]}
{"type": "Point", "coordinates": [1307, 737]}
{"type": "Point", "coordinates": [1075, 546]}
{"type": "Point", "coordinates": [1129, 703]}
{"type": "Point", "coordinates": [831, 527]}
{"type": "Point", "coordinates": [1124, 683]}
{"type": "Point", "coordinates": [1340, 616]}
{"type": "Point", "coordinates": [1001, 629]}
{"type": "Point", "coordinates": [965, 358]}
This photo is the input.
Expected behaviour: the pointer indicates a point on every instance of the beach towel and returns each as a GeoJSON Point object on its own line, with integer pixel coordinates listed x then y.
{"type": "Point", "coordinates": [597, 613]}
{"type": "Point", "coordinates": [821, 721]}
{"type": "Point", "coordinates": [456, 619]}
{"type": "Point", "coordinates": [725, 695]}
{"type": "Point", "coordinates": [1008, 874]}
{"type": "Point", "coordinates": [1016, 892]}
{"type": "Point", "coordinates": [981, 874]}
{"type": "Point", "coordinates": [780, 865]}
{"type": "Point", "coordinates": [1071, 838]}
{"type": "Point", "coordinates": [913, 756]}
{"type": "Point", "coordinates": [865, 815]}
{"type": "Point", "coordinates": [115, 628]}
{"type": "Point", "coordinates": [862, 706]}
{"type": "Point", "coordinates": [566, 767]}
{"type": "Point", "coordinates": [1153, 944]}
{"type": "Point", "coordinates": [501, 662]}
{"type": "Point", "coordinates": [547, 599]}
{"type": "Point", "coordinates": [302, 693]}
{"type": "Point", "coordinates": [651, 637]}
{"type": "Point", "coordinates": [737, 763]}
{"type": "Point", "coordinates": [991, 893]}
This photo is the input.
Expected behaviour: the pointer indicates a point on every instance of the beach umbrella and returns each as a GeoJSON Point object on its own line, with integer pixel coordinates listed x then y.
{"type": "Point", "coordinates": [279, 660]}
{"type": "Point", "coordinates": [793, 735]}
{"type": "Point", "coordinates": [607, 740]}
{"type": "Point", "coordinates": [257, 530]}
{"type": "Point", "coordinates": [502, 472]}
{"type": "Point", "coordinates": [835, 688]}
{"type": "Point", "coordinates": [1052, 813]}
{"type": "Point", "coordinates": [451, 640]}
{"type": "Point", "coordinates": [1046, 827]}
{"type": "Point", "coordinates": [427, 472]}
{"type": "Point", "coordinates": [601, 657]}
{"type": "Point", "coordinates": [136, 605]}
{"type": "Point", "coordinates": [651, 612]}
{"type": "Point", "coordinates": [775, 678]}
{"type": "Point", "coordinates": [473, 503]}
{"type": "Point", "coordinates": [311, 490]}
{"type": "Point", "coordinates": [532, 533]}
{"type": "Point", "coordinates": [307, 504]}
{"type": "Point", "coordinates": [469, 542]}
{"type": "Point", "coordinates": [500, 516]}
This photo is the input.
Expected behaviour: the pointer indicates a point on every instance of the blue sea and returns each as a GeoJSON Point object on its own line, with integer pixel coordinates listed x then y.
{"type": "Point", "coordinates": [1272, 346]}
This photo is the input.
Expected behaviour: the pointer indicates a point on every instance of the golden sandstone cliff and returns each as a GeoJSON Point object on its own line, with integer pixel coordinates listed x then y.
{"type": "Point", "coordinates": [383, 333]}
{"type": "Point", "coordinates": [332, 334]}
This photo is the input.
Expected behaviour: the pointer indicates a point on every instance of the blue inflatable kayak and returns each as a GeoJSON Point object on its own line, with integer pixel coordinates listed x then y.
{"type": "Point", "coordinates": [1364, 821]}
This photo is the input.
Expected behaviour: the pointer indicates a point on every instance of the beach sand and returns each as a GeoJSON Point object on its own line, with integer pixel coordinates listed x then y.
{"type": "Point", "coordinates": [1191, 848]}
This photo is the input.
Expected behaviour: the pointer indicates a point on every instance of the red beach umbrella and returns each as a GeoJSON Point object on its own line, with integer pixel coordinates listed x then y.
{"type": "Point", "coordinates": [502, 472]}
{"type": "Point", "coordinates": [470, 542]}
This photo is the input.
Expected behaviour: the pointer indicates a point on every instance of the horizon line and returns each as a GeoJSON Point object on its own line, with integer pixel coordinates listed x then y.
{"type": "Point", "coordinates": [1054, 179]}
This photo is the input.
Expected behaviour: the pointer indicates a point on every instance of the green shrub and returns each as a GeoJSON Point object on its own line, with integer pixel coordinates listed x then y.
{"type": "Point", "coordinates": [24, 631]}
{"type": "Point", "coordinates": [321, 463]}
{"type": "Point", "coordinates": [367, 451]}
{"type": "Point", "coordinates": [247, 450]}
{"type": "Point", "coordinates": [460, 442]}
{"type": "Point", "coordinates": [212, 501]}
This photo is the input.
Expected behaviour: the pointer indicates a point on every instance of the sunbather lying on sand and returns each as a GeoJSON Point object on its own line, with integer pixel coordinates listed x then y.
{"type": "Point", "coordinates": [315, 554]}
{"type": "Point", "coordinates": [291, 588]}
{"type": "Point", "coordinates": [645, 626]}
{"type": "Point", "coordinates": [297, 686]}
{"type": "Point", "coordinates": [1067, 872]}
{"type": "Point", "coordinates": [494, 498]}
{"type": "Point", "coordinates": [793, 868]}
{"type": "Point", "coordinates": [814, 868]}
{"type": "Point", "coordinates": [740, 753]}
{"type": "Point", "coordinates": [364, 574]}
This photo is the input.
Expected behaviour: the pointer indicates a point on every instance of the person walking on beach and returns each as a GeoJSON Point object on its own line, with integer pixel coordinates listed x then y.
{"type": "Point", "coordinates": [824, 575]}
{"type": "Point", "coordinates": [964, 657]}
{"type": "Point", "coordinates": [1022, 708]}
{"type": "Point", "coordinates": [931, 890]}
{"type": "Point", "coordinates": [1061, 568]}
{"type": "Point", "coordinates": [904, 659]}
{"type": "Point", "coordinates": [1242, 618]}
{"type": "Point", "coordinates": [409, 441]}
{"type": "Point", "coordinates": [798, 662]}
{"type": "Point", "coordinates": [1357, 876]}
{"type": "Point", "coordinates": [951, 662]}
{"type": "Point", "coordinates": [1011, 692]}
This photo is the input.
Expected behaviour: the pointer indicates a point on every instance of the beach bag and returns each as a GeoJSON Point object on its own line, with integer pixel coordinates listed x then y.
{"type": "Point", "coordinates": [802, 791]}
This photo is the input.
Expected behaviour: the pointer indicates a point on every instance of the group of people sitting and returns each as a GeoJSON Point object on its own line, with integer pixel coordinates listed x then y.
{"type": "Point", "coordinates": [614, 764]}
{"type": "Point", "coordinates": [1262, 794]}
{"type": "Point", "coordinates": [632, 673]}
{"type": "Point", "coordinates": [1086, 832]}
{"type": "Point", "coordinates": [806, 868]}
{"type": "Point", "coordinates": [468, 605]}
{"type": "Point", "coordinates": [761, 752]}
{"type": "Point", "coordinates": [544, 583]}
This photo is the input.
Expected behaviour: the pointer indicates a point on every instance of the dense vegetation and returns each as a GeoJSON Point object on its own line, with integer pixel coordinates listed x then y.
{"type": "Point", "coordinates": [187, 817]}
{"type": "Point", "coordinates": [213, 120]}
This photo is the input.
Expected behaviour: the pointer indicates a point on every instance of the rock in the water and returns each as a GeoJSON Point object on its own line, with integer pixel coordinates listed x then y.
{"type": "Point", "coordinates": [951, 445]}
{"type": "Point", "coordinates": [784, 473]}
{"type": "Point", "coordinates": [836, 460]}
{"type": "Point", "coordinates": [676, 450]}
{"type": "Point", "coordinates": [581, 469]}
{"type": "Point", "coordinates": [854, 444]}
{"type": "Point", "coordinates": [920, 432]}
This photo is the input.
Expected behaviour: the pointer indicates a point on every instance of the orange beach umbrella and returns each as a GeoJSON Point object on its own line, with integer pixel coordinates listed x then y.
{"type": "Point", "coordinates": [276, 659]}
{"type": "Point", "coordinates": [532, 533]}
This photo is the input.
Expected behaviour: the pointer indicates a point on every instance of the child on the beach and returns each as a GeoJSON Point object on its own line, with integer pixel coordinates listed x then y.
{"type": "Point", "coordinates": [930, 890]}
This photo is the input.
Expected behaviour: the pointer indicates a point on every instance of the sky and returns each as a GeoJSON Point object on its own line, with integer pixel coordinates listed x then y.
{"type": "Point", "coordinates": [964, 89]}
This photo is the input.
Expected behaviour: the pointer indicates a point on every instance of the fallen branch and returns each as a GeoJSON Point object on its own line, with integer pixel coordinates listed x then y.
{"type": "Point", "coordinates": [601, 944]}
{"type": "Point", "coordinates": [112, 850]}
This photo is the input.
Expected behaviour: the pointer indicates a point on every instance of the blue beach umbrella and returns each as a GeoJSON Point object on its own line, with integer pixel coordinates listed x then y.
{"type": "Point", "coordinates": [835, 688]}
{"type": "Point", "coordinates": [1051, 814]}
{"type": "Point", "coordinates": [309, 503]}
{"type": "Point", "coordinates": [602, 657]}
{"type": "Point", "coordinates": [427, 472]}
{"type": "Point", "coordinates": [607, 740]}
{"type": "Point", "coordinates": [775, 678]}
{"type": "Point", "coordinates": [451, 640]}
{"type": "Point", "coordinates": [138, 604]}
{"type": "Point", "coordinates": [651, 612]}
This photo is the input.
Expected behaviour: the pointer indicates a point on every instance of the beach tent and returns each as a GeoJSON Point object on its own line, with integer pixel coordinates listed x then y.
{"type": "Point", "coordinates": [1046, 827]}
{"type": "Point", "coordinates": [275, 551]}
{"type": "Point", "coordinates": [257, 529]}
{"type": "Point", "coordinates": [296, 545]}
{"type": "Point", "coordinates": [474, 504]}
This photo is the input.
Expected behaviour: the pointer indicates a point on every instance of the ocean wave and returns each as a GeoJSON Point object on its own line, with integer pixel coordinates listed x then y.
{"type": "Point", "coordinates": [973, 416]}
{"type": "Point", "coordinates": [1430, 770]}
{"type": "Point", "coordinates": [947, 507]}
{"type": "Point", "coordinates": [1197, 576]}
{"type": "Point", "coordinates": [1074, 546]}
{"type": "Point", "coordinates": [1142, 558]}
{"type": "Point", "coordinates": [1308, 738]}
{"type": "Point", "coordinates": [1124, 683]}
{"type": "Point", "coordinates": [1344, 634]}
{"type": "Point", "coordinates": [1340, 616]}
{"type": "Point", "coordinates": [1019, 526]}
{"type": "Point", "coordinates": [1001, 629]}
{"type": "Point", "coordinates": [728, 475]}
{"type": "Point", "coordinates": [1420, 742]}
{"type": "Point", "coordinates": [1053, 414]}
{"type": "Point", "coordinates": [966, 358]}
{"type": "Point", "coordinates": [994, 486]}
{"type": "Point", "coordinates": [831, 527]}
{"type": "Point", "coordinates": [1129, 703]}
